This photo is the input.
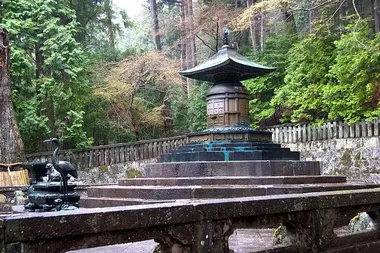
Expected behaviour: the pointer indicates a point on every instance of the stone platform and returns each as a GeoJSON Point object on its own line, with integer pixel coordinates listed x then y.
{"type": "Point", "coordinates": [159, 190]}
{"type": "Point", "coordinates": [232, 168]}
{"type": "Point", "coordinates": [220, 169]}
{"type": "Point", "coordinates": [229, 150]}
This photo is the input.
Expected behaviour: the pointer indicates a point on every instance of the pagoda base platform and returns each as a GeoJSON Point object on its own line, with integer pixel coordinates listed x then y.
{"type": "Point", "coordinates": [228, 150]}
{"type": "Point", "coordinates": [230, 133]}
{"type": "Point", "coordinates": [232, 168]}
{"type": "Point", "coordinates": [223, 168]}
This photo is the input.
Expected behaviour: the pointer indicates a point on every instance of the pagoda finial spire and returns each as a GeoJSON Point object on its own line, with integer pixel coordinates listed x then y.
{"type": "Point", "coordinates": [226, 32]}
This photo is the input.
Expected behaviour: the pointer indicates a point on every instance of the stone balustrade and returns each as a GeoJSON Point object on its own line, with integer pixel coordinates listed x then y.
{"type": "Point", "coordinates": [136, 151]}
{"type": "Point", "coordinates": [113, 154]}
{"type": "Point", "coordinates": [201, 226]}
{"type": "Point", "coordinates": [327, 131]}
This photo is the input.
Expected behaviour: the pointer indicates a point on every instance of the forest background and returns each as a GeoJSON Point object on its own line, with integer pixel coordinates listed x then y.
{"type": "Point", "coordinates": [83, 71]}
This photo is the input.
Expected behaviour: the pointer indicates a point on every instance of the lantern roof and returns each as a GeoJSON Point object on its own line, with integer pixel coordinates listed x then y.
{"type": "Point", "coordinates": [226, 62]}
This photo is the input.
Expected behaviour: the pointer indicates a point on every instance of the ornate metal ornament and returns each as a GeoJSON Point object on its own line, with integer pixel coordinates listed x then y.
{"type": "Point", "coordinates": [49, 188]}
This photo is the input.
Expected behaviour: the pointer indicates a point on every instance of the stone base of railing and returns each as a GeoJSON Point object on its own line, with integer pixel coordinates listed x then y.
{"type": "Point", "coordinates": [203, 226]}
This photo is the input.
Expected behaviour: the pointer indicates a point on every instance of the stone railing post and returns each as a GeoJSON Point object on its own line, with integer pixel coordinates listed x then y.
{"type": "Point", "coordinates": [311, 231]}
{"type": "Point", "coordinates": [201, 237]}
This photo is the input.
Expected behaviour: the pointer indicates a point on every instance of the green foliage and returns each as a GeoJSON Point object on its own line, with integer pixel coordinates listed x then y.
{"type": "Point", "coordinates": [63, 51]}
{"type": "Point", "coordinates": [354, 89]}
{"type": "Point", "coordinates": [305, 76]}
{"type": "Point", "coordinates": [322, 77]}
{"type": "Point", "coordinates": [180, 106]}
{"type": "Point", "coordinates": [197, 107]}
{"type": "Point", "coordinates": [72, 130]}
{"type": "Point", "coordinates": [336, 79]}
{"type": "Point", "coordinates": [30, 122]}
{"type": "Point", "coordinates": [262, 88]}
{"type": "Point", "coordinates": [189, 112]}
{"type": "Point", "coordinates": [48, 71]}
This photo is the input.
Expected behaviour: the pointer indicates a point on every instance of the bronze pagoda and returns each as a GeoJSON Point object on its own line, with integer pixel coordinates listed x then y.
{"type": "Point", "coordinates": [227, 99]}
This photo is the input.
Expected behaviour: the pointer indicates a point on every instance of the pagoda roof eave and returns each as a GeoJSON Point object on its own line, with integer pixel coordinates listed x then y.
{"type": "Point", "coordinates": [226, 61]}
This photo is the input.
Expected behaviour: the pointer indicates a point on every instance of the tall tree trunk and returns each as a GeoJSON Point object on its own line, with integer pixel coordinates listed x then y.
{"type": "Point", "coordinates": [166, 114]}
{"type": "Point", "coordinates": [254, 27]}
{"type": "Point", "coordinates": [376, 9]}
{"type": "Point", "coordinates": [262, 32]}
{"type": "Point", "coordinates": [189, 48]}
{"type": "Point", "coordinates": [192, 35]}
{"type": "Point", "coordinates": [251, 25]}
{"type": "Point", "coordinates": [11, 145]}
{"type": "Point", "coordinates": [312, 16]}
{"type": "Point", "coordinates": [39, 61]}
{"type": "Point", "coordinates": [110, 27]}
{"type": "Point", "coordinates": [39, 72]}
{"type": "Point", "coordinates": [183, 41]}
{"type": "Point", "coordinates": [155, 26]}
{"type": "Point", "coordinates": [290, 23]}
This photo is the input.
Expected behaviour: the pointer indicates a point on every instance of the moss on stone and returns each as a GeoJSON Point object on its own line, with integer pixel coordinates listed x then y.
{"type": "Point", "coordinates": [345, 159]}
{"type": "Point", "coordinates": [279, 235]}
{"type": "Point", "coordinates": [356, 218]}
{"type": "Point", "coordinates": [357, 160]}
{"type": "Point", "coordinates": [132, 173]}
{"type": "Point", "coordinates": [339, 171]}
{"type": "Point", "coordinates": [360, 223]}
{"type": "Point", "coordinates": [103, 169]}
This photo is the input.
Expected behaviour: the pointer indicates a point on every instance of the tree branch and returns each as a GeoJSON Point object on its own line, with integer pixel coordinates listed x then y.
{"type": "Point", "coordinates": [315, 7]}
{"type": "Point", "coordinates": [204, 43]}
{"type": "Point", "coordinates": [356, 10]}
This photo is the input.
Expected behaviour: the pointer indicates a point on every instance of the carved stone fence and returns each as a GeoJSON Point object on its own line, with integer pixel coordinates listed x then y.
{"type": "Point", "coordinates": [327, 131]}
{"type": "Point", "coordinates": [204, 226]}
{"type": "Point", "coordinates": [113, 154]}
{"type": "Point", "coordinates": [143, 150]}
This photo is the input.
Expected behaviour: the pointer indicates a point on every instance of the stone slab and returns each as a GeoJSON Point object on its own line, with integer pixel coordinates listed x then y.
{"type": "Point", "coordinates": [215, 191]}
{"type": "Point", "coordinates": [232, 168]}
{"type": "Point", "coordinates": [231, 180]}
{"type": "Point", "coordinates": [89, 202]}
{"type": "Point", "coordinates": [136, 247]}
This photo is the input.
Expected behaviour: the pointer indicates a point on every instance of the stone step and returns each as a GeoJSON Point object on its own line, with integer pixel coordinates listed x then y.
{"type": "Point", "coordinates": [92, 202]}
{"type": "Point", "coordinates": [229, 156]}
{"type": "Point", "coordinates": [232, 168]}
{"type": "Point", "coordinates": [215, 191]}
{"type": "Point", "coordinates": [231, 180]}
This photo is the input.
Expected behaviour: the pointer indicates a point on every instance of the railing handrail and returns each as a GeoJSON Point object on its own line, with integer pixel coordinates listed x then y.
{"type": "Point", "coordinates": [119, 153]}
{"type": "Point", "coordinates": [123, 144]}
{"type": "Point", "coordinates": [318, 213]}
{"type": "Point", "coordinates": [293, 133]}
{"type": "Point", "coordinates": [149, 149]}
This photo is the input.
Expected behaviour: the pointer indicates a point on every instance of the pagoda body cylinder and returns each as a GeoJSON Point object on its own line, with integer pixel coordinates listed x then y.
{"type": "Point", "coordinates": [227, 105]}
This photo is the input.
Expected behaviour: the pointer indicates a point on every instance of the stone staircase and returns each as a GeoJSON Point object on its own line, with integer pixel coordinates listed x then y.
{"type": "Point", "coordinates": [221, 169]}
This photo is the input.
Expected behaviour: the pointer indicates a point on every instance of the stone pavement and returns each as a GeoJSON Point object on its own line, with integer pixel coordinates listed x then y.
{"type": "Point", "coordinates": [136, 247]}
{"type": "Point", "coordinates": [243, 240]}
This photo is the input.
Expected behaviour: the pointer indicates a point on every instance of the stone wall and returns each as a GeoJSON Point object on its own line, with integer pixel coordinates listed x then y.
{"type": "Point", "coordinates": [110, 174]}
{"type": "Point", "coordinates": [11, 196]}
{"type": "Point", "coordinates": [356, 158]}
